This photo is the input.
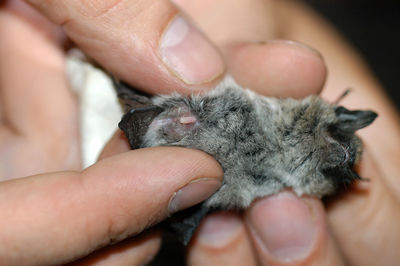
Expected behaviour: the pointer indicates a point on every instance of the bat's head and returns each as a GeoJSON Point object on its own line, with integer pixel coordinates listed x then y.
{"type": "Point", "coordinates": [319, 143]}
{"type": "Point", "coordinates": [343, 147]}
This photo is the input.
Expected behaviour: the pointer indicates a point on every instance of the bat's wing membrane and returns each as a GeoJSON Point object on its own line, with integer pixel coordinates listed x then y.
{"type": "Point", "coordinates": [183, 224]}
{"type": "Point", "coordinates": [139, 113]}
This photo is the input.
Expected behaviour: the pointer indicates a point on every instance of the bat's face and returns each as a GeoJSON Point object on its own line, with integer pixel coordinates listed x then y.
{"type": "Point", "coordinates": [263, 144]}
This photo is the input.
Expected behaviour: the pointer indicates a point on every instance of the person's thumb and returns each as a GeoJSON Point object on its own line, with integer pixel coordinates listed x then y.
{"type": "Point", "coordinates": [288, 230]}
{"type": "Point", "coordinates": [150, 44]}
{"type": "Point", "coordinates": [59, 217]}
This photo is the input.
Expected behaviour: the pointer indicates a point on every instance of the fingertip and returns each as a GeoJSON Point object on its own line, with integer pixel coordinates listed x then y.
{"type": "Point", "coordinates": [221, 240]}
{"type": "Point", "coordinates": [219, 229]}
{"type": "Point", "coordinates": [143, 182]}
{"type": "Point", "coordinates": [188, 54]}
{"type": "Point", "coordinates": [289, 230]}
{"type": "Point", "coordinates": [277, 68]}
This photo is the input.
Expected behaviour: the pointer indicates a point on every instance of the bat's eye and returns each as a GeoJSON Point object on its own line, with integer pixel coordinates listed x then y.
{"type": "Point", "coordinates": [346, 154]}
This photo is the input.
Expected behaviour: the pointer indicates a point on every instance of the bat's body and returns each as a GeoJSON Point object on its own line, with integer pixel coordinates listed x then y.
{"type": "Point", "coordinates": [263, 144]}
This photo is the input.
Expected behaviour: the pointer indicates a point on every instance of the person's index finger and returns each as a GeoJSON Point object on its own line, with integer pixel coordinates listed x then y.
{"type": "Point", "coordinates": [148, 44]}
{"type": "Point", "coordinates": [71, 214]}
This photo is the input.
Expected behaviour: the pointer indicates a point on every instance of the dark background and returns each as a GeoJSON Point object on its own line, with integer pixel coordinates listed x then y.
{"type": "Point", "coordinates": [372, 27]}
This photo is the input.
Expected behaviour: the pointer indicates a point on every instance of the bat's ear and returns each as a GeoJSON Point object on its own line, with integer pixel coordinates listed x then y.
{"type": "Point", "coordinates": [140, 112]}
{"type": "Point", "coordinates": [350, 121]}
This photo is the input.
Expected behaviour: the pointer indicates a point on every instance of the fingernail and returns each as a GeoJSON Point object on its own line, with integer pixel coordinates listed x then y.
{"type": "Point", "coordinates": [188, 53]}
{"type": "Point", "coordinates": [285, 225]}
{"type": "Point", "coordinates": [220, 229]}
{"type": "Point", "coordinates": [193, 193]}
{"type": "Point", "coordinates": [300, 45]}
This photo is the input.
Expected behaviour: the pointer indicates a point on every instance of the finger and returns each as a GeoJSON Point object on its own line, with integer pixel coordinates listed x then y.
{"type": "Point", "coordinates": [37, 20]}
{"type": "Point", "coordinates": [72, 214]}
{"type": "Point", "coordinates": [42, 72]}
{"type": "Point", "coordinates": [288, 230]}
{"type": "Point", "coordinates": [240, 21]}
{"type": "Point", "coordinates": [375, 216]}
{"type": "Point", "coordinates": [149, 44]}
{"type": "Point", "coordinates": [136, 251]}
{"type": "Point", "coordinates": [117, 144]}
{"type": "Point", "coordinates": [277, 68]}
{"type": "Point", "coordinates": [271, 67]}
{"type": "Point", "coordinates": [39, 116]}
{"type": "Point", "coordinates": [132, 251]}
{"type": "Point", "coordinates": [221, 240]}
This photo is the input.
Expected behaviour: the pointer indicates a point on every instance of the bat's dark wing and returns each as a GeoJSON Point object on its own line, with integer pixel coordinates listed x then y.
{"type": "Point", "coordinates": [136, 122]}
{"type": "Point", "coordinates": [139, 113]}
{"type": "Point", "coordinates": [183, 224]}
{"type": "Point", "coordinates": [177, 232]}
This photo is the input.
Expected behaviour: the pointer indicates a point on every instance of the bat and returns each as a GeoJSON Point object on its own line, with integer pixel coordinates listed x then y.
{"type": "Point", "coordinates": [263, 144]}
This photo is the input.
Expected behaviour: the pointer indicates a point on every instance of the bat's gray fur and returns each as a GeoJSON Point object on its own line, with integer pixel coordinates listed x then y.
{"type": "Point", "coordinates": [263, 144]}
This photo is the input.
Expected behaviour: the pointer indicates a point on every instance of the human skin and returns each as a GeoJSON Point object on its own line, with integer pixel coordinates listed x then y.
{"type": "Point", "coordinates": [32, 206]}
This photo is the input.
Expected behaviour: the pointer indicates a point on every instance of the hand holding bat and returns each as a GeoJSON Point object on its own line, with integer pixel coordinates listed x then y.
{"type": "Point", "coordinates": [97, 206]}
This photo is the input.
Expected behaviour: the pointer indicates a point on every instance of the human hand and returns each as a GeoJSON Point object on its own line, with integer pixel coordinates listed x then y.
{"type": "Point", "coordinates": [284, 229]}
{"type": "Point", "coordinates": [51, 219]}
{"type": "Point", "coordinates": [71, 214]}
{"type": "Point", "coordinates": [38, 114]}
{"type": "Point", "coordinates": [59, 217]}
{"type": "Point", "coordinates": [235, 60]}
